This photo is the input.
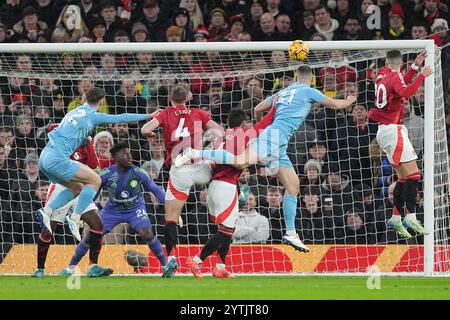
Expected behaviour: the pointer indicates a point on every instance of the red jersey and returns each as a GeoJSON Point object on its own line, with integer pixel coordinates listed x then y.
{"type": "Point", "coordinates": [235, 141]}
{"type": "Point", "coordinates": [85, 154]}
{"type": "Point", "coordinates": [105, 161]}
{"type": "Point", "coordinates": [390, 92]}
{"type": "Point", "coordinates": [183, 127]}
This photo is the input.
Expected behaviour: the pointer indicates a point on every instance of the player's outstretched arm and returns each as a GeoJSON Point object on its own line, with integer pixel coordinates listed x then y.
{"type": "Point", "coordinates": [99, 118]}
{"type": "Point", "coordinates": [152, 187]}
{"type": "Point", "coordinates": [415, 66]}
{"type": "Point", "coordinates": [338, 103]}
{"type": "Point", "coordinates": [92, 159]}
{"type": "Point", "coordinates": [149, 127]}
{"type": "Point", "coordinates": [409, 90]}
{"type": "Point", "coordinates": [262, 107]}
{"type": "Point", "coordinates": [265, 121]}
{"type": "Point", "coordinates": [215, 129]}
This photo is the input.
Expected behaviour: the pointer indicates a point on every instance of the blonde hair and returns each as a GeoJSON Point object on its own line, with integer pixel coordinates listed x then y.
{"type": "Point", "coordinates": [60, 32]}
{"type": "Point", "coordinates": [103, 134]}
{"type": "Point", "coordinates": [196, 17]}
{"type": "Point", "coordinates": [80, 29]}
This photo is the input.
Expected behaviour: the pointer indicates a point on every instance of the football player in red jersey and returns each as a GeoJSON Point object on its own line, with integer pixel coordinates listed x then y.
{"type": "Point", "coordinates": [84, 154]}
{"type": "Point", "coordinates": [391, 89]}
{"type": "Point", "coordinates": [223, 195]}
{"type": "Point", "coordinates": [183, 127]}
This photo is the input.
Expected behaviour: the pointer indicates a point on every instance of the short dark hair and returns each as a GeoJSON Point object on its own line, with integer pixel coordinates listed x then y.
{"type": "Point", "coordinates": [43, 183]}
{"type": "Point", "coordinates": [6, 129]}
{"type": "Point", "coordinates": [121, 33]}
{"type": "Point", "coordinates": [178, 94]}
{"type": "Point", "coordinates": [352, 17]}
{"type": "Point", "coordinates": [310, 190]}
{"type": "Point", "coordinates": [320, 7]}
{"type": "Point", "coordinates": [282, 14]}
{"type": "Point", "coordinates": [118, 147]}
{"type": "Point", "coordinates": [304, 70]}
{"type": "Point", "coordinates": [28, 11]}
{"type": "Point", "coordinates": [236, 117]}
{"type": "Point", "coordinates": [420, 23]}
{"type": "Point", "coordinates": [308, 13]}
{"type": "Point", "coordinates": [393, 55]}
{"type": "Point", "coordinates": [216, 84]}
{"type": "Point", "coordinates": [94, 95]}
{"type": "Point", "coordinates": [107, 4]}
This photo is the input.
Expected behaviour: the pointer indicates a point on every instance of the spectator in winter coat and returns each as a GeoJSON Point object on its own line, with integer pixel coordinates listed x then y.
{"type": "Point", "coordinates": [312, 225]}
{"type": "Point", "coordinates": [273, 210]}
{"type": "Point", "coordinates": [324, 23]}
{"type": "Point", "coordinates": [337, 187]}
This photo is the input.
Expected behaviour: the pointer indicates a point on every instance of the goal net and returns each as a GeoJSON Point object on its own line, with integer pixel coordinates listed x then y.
{"type": "Point", "coordinates": [346, 182]}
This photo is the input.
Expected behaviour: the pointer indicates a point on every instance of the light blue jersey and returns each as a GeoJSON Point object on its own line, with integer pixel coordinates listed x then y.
{"type": "Point", "coordinates": [78, 123]}
{"type": "Point", "coordinates": [293, 105]}
{"type": "Point", "coordinates": [72, 132]}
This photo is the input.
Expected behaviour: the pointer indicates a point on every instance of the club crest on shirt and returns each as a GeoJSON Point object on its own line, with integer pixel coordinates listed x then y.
{"type": "Point", "coordinates": [133, 183]}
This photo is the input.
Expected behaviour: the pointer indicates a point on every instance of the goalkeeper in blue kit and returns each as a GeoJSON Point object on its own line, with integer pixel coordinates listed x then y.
{"type": "Point", "coordinates": [78, 179]}
{"type": "Point", "coordinates": [124, 182]}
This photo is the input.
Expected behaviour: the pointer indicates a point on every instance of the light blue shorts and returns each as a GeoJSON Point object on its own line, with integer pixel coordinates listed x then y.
{"type": "Point", "coordinates": [271, 147]}
{"type": "Point", "coordinates": [57, 167]}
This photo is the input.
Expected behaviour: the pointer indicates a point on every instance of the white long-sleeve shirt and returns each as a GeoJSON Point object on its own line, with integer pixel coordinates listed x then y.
{"type": "Point", "coordinates": [251, 228]}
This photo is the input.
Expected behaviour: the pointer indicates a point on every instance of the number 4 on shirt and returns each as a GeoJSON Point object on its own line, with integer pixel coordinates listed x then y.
{"type": "Point", "coordinates": [182, 132]}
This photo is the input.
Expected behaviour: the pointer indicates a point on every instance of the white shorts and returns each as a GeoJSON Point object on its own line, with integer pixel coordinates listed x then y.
{"type": "Point", "coordinates": [223, 204]}
{"type": "Point", "coordinates": [59, 215]}
{"type": "Point", "coordinates": [183, 178]}
{"type": "Point", "coordinates": [393, 140]}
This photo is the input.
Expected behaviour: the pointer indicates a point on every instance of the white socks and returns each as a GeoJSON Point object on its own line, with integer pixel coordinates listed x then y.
{"type": "Point", "coordinates": [197, 260]}
{"type": "Point", "coordinates": [220, 266]}
{"type": "Point", "coordinates": [48, 211]}
{"type": "Point", "coordinates": [291, 232]}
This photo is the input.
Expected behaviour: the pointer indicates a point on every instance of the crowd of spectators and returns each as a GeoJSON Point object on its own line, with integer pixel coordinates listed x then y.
{"type": "Point", "coordinates": [346, 182]}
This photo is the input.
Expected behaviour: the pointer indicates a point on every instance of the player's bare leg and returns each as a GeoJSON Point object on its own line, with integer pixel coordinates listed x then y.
{"type": "Point", "coordinates": [405, 193]}
{"type": "Point", "coordinates": [289, 179]}
{"type": "Point", "coordinates": [44, 242]}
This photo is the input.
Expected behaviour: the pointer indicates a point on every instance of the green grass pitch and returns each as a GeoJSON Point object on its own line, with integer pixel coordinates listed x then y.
{"type": "Point", "coordinates": [253, 288]}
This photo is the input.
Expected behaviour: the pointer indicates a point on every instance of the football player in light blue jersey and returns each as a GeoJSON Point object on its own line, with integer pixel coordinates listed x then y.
{"type": "Point", "coordinates": [292, 105]}
{"type": "Point", "coordinates": [79, 179]}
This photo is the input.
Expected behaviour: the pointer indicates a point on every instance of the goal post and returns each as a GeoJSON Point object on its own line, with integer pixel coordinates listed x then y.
{"type": "Point", "coordinates": [430, 260]}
